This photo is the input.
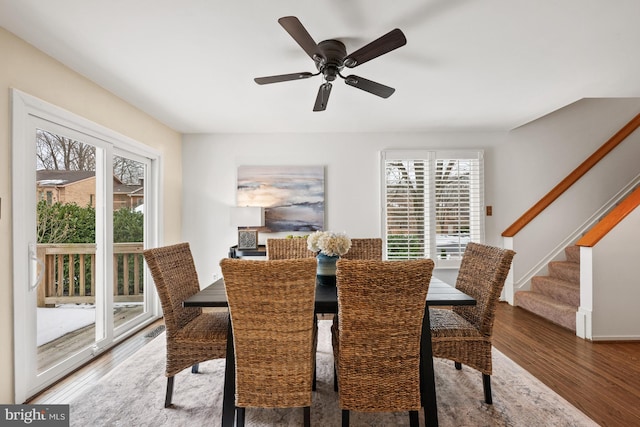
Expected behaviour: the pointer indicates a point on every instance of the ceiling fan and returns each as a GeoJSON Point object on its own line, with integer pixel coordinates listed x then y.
{"type": "Point", "coordinates": [330, 58]}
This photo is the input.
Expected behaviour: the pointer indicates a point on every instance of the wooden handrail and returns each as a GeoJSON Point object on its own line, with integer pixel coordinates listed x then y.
{"type": "Point", "coordinates": [612, 219]}
{"type": "Point", "coordinates": [574, 176]}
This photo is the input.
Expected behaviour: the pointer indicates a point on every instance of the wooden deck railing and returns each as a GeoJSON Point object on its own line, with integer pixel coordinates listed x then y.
{"type": "Point", "coordinates": [70, 271]}
{"type": "Point", "coordinates": [574, 176]}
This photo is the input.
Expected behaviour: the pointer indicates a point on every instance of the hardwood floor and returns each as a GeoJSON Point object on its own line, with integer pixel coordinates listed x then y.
{"type": "Point", "coordinates": [601, 379]}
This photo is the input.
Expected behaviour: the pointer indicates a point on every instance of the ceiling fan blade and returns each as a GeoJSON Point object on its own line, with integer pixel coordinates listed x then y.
{"type": "Point", "coordinates": [390, 41]}
{"type": "Point", "coordinates": [294, 27]}
{"type": "Point", "coordinates": [323, 97]}
{"type": "Point", "coordinates": [369, 86]}
{"type": "Point", "coordinates": [282, 78]}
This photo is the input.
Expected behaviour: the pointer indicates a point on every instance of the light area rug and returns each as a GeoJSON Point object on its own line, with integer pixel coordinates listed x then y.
{"type": "Point", "coordinates": [133, 395]}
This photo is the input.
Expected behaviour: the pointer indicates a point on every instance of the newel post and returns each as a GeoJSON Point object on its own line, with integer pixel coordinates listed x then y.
{"type": "Point", "coordinates": [508, 291]}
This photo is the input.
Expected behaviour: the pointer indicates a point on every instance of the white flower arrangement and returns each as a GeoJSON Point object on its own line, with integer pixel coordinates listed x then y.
{"type": "Point", "coordinates": [329, 243]}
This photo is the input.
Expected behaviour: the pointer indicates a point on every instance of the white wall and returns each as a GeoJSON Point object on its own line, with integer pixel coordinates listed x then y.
{"type": "Point", "coordinates": [616, 283]}
{"type": "Point", "coordinates": [521, 167]}
{"type": "Point", "coordinates": [352, 181]}
{"type": "Point", "coordinates": [25, 68]}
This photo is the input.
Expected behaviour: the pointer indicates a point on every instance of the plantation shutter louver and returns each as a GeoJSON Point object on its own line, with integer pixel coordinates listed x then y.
{"type": "Point", "coordinates": [406, 206]}
{"type": "Point", "coordinates": [432, 204]}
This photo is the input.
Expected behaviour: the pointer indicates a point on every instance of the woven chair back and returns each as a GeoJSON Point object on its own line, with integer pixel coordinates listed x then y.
{"type": "Point", "coordinates": [288, 248]}
{"type": "Point", "coordinates": [272, 314]}
{"type": "Point", "coordinates": [380, 310]}
{"type": "Point", "coordinates": [175, 277]}
{"type": "Point", "coordinates": [365, 249]}
{"type": "Point", "coordinates": [482, 274]}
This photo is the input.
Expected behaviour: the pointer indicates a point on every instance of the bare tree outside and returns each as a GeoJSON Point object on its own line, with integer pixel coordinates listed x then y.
{"type": "Point", "coordinates": [127, 171]}
{"type": "Point", "coordinates": [57, 152]}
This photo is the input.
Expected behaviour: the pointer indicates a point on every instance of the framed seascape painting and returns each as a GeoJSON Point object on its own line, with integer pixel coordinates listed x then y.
{"type": "Point", "coordinates": [292, 196]}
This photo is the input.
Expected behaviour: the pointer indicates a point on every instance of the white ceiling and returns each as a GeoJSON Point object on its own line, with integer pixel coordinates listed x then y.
{"type": "Point", "coordinates": [473, 64]}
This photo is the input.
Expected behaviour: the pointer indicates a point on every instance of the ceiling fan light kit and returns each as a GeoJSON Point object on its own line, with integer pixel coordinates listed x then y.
{"type": "Point", "coordinates": [330, 58]}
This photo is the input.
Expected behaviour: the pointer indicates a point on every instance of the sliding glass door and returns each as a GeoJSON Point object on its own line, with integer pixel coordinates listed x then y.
{"type": "Point", "coordinates": [129, 288]}
{"type": "Point", "coordinates": [84, 209]}
{"type": "Point", "coordinates": [66, 190]}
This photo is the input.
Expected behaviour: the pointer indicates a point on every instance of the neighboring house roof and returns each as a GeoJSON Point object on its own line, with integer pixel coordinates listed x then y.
{"type": "Point", "coordinates": [62, 178]}
{"type": "Point", "coordinates": [132, 190]}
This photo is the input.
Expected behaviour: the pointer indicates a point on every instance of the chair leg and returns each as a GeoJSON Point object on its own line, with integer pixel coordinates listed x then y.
{"type": "Point", "coordinates": [307, 416]}
{"type": "Point", "coordinates": [313, 384]}
{"type": "Point", "coordinates": [458, 365]}
{"type": "Point", "coordinates": [194, 368]}
{"type": "Point", "coordinates": [169, 395]}
{"type": "Point", "coordinates": [240, 416]}
{"type": "Point", "coordinates": [486, 383]}
{"type": "Point", "coordinates": [345, 418]}
{"type": "Point", "coordinates": [413, 419]}
{"type": "Point", "coordinates": [315, 355]}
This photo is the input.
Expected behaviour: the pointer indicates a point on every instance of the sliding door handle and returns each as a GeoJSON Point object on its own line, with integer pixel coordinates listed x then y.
{"type": "Point", "coordinates": [35, 277]}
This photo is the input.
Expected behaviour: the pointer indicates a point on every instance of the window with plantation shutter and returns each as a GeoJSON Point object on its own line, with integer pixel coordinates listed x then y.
{"type": "Point", "coordinates": [432, 204]}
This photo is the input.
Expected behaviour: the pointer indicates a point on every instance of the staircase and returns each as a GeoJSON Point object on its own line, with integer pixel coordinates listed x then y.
{"type": "Point", "coordinates": [555, 297]}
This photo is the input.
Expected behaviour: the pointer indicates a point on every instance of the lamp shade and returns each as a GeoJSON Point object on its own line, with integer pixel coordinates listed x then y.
{"type": "Point", "coordinates": [247, 216]}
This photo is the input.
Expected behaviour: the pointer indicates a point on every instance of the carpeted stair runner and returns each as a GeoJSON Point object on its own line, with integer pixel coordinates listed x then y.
{"type": "Point", "coordinates": [555, 297]}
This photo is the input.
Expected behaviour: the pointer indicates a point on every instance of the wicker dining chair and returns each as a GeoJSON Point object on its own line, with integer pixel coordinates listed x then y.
{"type": "Point", "coordinates": [376, 338]}
{"type": "Point", "coordinates": [288, 248]}
{"type": "Point", "coordinates": [463, 334]}
{"type": "Point", "coordinates": [370, 248]}
{"type": "Point", "coordinates": [272, 313]}
{"type": "Point", "coordinates": [192, 335]}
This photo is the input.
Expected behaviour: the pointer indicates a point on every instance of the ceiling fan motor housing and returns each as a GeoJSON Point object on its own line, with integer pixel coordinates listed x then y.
{"type": "Point", "coordinates": [332, 60]}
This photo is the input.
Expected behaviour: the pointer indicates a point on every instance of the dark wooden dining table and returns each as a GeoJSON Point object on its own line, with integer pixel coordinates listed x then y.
{"type": "Point", "coordinates": [440, 294]}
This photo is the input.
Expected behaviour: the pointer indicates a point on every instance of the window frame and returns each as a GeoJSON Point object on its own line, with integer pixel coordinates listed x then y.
{"type": "Point", "coordinates": [429, 245]}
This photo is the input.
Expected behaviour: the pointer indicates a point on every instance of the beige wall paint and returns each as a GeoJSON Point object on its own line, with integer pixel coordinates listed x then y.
{"type": "Point", "coordinates": [31, 71]}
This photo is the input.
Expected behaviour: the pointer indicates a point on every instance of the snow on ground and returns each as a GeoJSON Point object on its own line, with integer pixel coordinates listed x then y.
{"type": "Point", "coordinates": [56, 322]}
